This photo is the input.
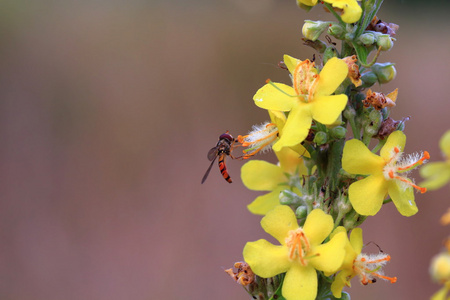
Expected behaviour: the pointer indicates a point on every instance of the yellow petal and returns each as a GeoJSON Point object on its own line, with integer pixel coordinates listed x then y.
{"type": "Point", "coordinates": [296, 128]}
{"type": "Point", "coordinates": [352, 11]}
{"type": "Point", "coordinates": [367, 195]}
{"type": "Point", "coordinates": [300, 283]}
{"type": "Point", "coordinates": [350, 254]}
{"type": "Point", "coordinates": [337, 230]}
{"type": "Point", "coordinates": [327, 109]}
{"type": "Point", "coordinates": [318, 226]}
{"type": "Point", "coordinates": [279, 221]}
{"type": "Point", "coordinates": [307, 2]}
{"type": "Point", "coordinates": [395, 139]}
{"type": "Point", "coordinates": [269, 97]}
{"type": "Point", "coordinates": [358, 159]}
{"type": "Point", "coordinates": [340, 281]}
{"type": "Point", "coordinates": [259, 175]}
{"type": "Point", "coordinates": [356, 240]}
{"type": "Point", "coordinates": [278, 118]}
{"type": "Point", "coordinates": [402, 198]}
{"type": "Point", "coordinates": [290, 161]}
{"type": "Point", "coordinates": [266, 259]}
{"type": "Point", "coordinates": [393, 95]}
{"type": "Point", "coordinates": [332, 75]}
{"type": "Point", "coordinates": [265, 203]}
{"type": "Point", "coordinates": [329, 255]}
{"type": "Point", "coordinates": [437, 174]}
{"type": "Point", "coordinates": [291, 62]}
{"type": "Point", "coordinates": [301, 150]}
{"type": "Point", "coordinates": [444, 144]}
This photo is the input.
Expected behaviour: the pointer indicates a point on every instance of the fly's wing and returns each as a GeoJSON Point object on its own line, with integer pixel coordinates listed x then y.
{"type": "Point", "coordinates": [210, 166]}
{"type": "Point", "coordinates": [212, 153]}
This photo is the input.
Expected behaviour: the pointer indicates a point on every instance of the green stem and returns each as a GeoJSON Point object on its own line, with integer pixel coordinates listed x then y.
{"type": "Point", "coordinates": [339, 217]}
{"type": "Point", "coordinates": [338, 17]}
{"type": "Point", "coordinates": [346, 49]}
{"type": "Point", "coordinates": [356, 132]}
{"type": "Point", "coordinates": [366, 139]}
{"type": "Point", "coordinates": [378, 146]}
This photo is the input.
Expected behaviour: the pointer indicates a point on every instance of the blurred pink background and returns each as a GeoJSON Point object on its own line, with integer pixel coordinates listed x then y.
{"type": "Point", "coordinates": [107, 112]}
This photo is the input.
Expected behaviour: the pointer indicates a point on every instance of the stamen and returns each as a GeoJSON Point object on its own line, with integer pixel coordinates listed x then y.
{"type": "Point", "coordinates": [305, 79]}
{"type": "Point", "coordinates": [247, 156]}
{"type": "Point", "coordinates": [258, 140]}
{"type": "Point", "coordinates": [367, 267]}
{"type": "Point", "coordinates": [393, 167]}
{"type": "Point", "coordinates": [420, 189]}
{"type": "Point", "coordinates": [419, 162]}
{"type": "Point", "coordinates": [298, 246]}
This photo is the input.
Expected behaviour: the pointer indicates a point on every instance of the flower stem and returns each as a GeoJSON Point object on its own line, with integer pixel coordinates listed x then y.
{"type": "Point", "coordinates": [338, 17]}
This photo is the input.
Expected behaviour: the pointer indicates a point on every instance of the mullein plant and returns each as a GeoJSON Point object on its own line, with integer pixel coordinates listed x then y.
{"type": "Point", "coordinates": [340, 159]}
{"type": "Point", "coordinates": [437, 175]}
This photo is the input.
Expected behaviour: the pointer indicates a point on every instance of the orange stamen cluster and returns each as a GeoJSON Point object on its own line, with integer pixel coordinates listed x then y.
{"type": "Point", "coordinates": [305, 79]}
{"type": "Point", "coordinates": [366, 268]}
{"type": "Point", "coordinates": [298, 245]}
{"type": "Point", "coordinates": [258, 140]}
{"type": "Point", "coordinates": [391, 169]}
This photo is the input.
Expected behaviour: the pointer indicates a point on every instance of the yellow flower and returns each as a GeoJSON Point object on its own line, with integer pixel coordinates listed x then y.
{"type": "Point", "coordinates": [440, 272]}
{"type": "Point", "coordinates": [367, 195]}
{"type": "Point", "coordinates": [368, 268]}
{"type": "Point", "coordinates": [351, 9]}
{"type": "Point", "coordinates": [437, 174]}
{"type": "Point", "coordinates": [259, 175]}
{"type": "Point", "coordinates": [300, 254]}
{"type": "Point", "coordinates": [309, 98]}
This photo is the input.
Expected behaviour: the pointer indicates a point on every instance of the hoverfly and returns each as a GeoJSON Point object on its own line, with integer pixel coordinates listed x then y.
{"type": "Point", "coordinates": [221, 150]}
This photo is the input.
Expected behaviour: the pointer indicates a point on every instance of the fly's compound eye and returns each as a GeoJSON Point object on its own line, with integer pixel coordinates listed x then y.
{"type": "Point", "coordinates": [226, 136]}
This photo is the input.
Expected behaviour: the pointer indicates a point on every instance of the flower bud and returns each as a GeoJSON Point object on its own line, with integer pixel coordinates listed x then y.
{"type": "Point", "coordinates": [440, 267]}
{"type": "Point", "coordinates": [345, 296]}
{"type": "Point", "coordinates": [372, 127]}
{"type": "Point", "coordinates": [349, 112]}
{"type": "Point", "coordinates": [336, 30]}
{"type": "Point", "coordinates": [367, 38]}
{"type": "Point", "coordinates": [304, 6]}
{"type": "Point", "coordinates": [301, 212]}
{"type": "Point", "coordinates": [375, 116]}
{"type": "Point", "coordinates": [385, 72]}
{"type": "Point", "coordinates": [313, 29]}
{"type": "Point", "coordinates": [321, 138]}
{"type": "Point", "coordinates": [329, 53]}
{"type": "Point", "coordinates": [288, 197]}
{"type": "Point", "coordinates": [385, 41]}
{"type": "Point", "coordinates": [368, 79]}
{"type": "Point", "coordinates": [338, 132]}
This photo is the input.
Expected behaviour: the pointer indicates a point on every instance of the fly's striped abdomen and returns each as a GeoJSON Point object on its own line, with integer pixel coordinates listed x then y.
{"type": "Point", "coordinates": [223, 168]}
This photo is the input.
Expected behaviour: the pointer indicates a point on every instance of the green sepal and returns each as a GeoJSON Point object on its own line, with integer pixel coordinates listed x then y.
{"type": "Point", "coordinates": [362, 52]}
{"type": "Point", "coordinates": [278, 295]}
